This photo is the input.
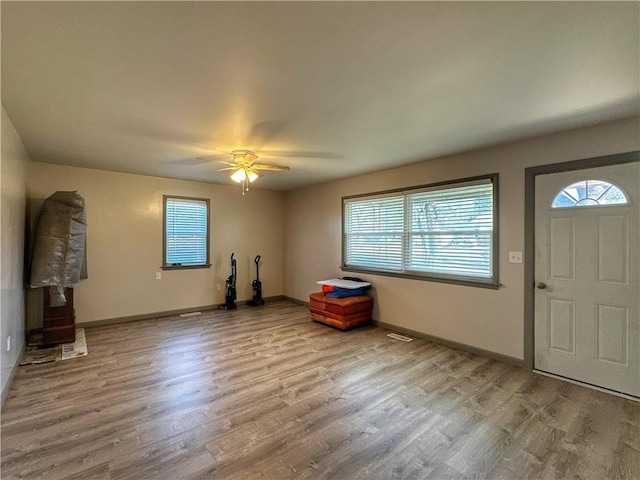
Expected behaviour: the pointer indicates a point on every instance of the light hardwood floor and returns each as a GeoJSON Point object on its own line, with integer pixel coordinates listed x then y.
{"type": "Point", "coordinates": [265, 393]}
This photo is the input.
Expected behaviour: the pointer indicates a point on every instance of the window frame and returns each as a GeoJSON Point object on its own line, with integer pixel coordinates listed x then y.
{"type": "Point", "coordinates": [490, 283]}
{"type": "Point", "coordinates": [166, 266]}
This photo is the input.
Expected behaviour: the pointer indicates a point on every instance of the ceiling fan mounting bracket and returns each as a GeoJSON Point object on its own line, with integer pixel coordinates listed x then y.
{"type": "Point", "coordinates": [241, 155]}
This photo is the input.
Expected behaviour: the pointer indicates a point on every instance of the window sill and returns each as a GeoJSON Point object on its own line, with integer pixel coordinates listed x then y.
{"type": "Point", "coordinates": [184, 267]}
{"type": "Point", "coordinates": [453, 281]}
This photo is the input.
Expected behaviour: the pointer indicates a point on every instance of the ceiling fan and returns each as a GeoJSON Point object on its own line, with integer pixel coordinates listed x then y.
{"type": "Point", "coordinates": [245, 170]}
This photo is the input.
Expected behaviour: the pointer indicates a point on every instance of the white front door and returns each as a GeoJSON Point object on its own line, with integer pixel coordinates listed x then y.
{"type": "Point", "coordinates": [587, 271]}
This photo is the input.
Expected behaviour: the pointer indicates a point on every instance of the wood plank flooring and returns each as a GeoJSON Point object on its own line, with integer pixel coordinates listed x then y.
{"type": "Point", "coordinates": [265, 393]}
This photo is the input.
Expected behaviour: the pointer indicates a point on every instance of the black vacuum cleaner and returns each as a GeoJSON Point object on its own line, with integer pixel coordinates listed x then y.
{"type": "Point", "coordinates": [257, 286]}
{"type": "Point", "coordinates": [230, 293]}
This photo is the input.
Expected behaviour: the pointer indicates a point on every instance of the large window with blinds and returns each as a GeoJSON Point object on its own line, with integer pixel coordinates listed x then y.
{"type": "Point", "coordinates": [444, 232]}
{"type": "Point", "coordinates": [186, 232]}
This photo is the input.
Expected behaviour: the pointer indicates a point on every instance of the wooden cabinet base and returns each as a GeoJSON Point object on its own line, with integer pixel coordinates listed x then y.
{"type": "Point", "coordinates": [58, 317]}
{"type": "Point", "coordinates": [342, 313]}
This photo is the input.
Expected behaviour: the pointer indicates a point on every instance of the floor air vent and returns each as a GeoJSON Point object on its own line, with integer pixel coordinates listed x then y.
{"type": "Point", "coordinates": [397, 336]}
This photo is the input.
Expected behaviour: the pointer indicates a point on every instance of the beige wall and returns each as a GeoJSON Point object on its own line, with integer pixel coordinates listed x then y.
{"type": "Point", "coordinates": [14, 164]}
{"type": "Point", "coordinates": [299, 230]}
{"type": "Point", "coordinates": [488, 319]}
{"type": "Point", "coordinates": [124, 214]}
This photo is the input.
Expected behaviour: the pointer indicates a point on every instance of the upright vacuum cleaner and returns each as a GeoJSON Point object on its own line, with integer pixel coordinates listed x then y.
{"type": "Point", "coordinates": [257, 286]}
{"type": "Point", "coordinates": [230, 293]}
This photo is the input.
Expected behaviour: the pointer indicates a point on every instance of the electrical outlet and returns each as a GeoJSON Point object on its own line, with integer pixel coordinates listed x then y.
{"type": "Point", "coordinates": [158, 275]}
{"type": "Point", "coordinates": [9, 343]}
{"type": "Point", "coordinates": [515, 257]}
{"type": "Point", "coordinates": [218, 287]}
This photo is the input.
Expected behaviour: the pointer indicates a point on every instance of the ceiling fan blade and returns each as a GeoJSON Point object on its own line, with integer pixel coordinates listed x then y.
{"type": "Point", "coordinates": [226, 168]}
{"type": "Point", "coordinates": [301, 154]}
{"type": "Point", "coordinates": [190, 162]}
{"type": "Point", "coordinates": [270, 167]}
{"type": "Point", "coordinates": [250, 157]}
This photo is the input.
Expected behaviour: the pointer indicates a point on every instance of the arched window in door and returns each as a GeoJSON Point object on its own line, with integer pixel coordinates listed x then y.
{"type": "Point", "coordinates": [589, 193]}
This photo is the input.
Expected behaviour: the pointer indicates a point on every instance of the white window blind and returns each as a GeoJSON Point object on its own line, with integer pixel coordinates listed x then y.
{"type": "Point", "coordinates": [374, 233]}
{"type": "Point", "coordinates": [451, 231]}
{"type": "Point", "coordinates": [444, 231]}
{"type": "Point", "coordinates": [186, 231]}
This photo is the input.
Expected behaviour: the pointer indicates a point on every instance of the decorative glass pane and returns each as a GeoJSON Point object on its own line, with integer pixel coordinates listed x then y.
{"type": "Point", "coordinates": [588, 193]}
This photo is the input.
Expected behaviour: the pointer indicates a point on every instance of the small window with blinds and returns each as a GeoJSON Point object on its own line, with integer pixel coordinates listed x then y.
{"type": "Point", "coordinates": [444, 232]}
{"type": "Point", "coordinates": [186, 232]}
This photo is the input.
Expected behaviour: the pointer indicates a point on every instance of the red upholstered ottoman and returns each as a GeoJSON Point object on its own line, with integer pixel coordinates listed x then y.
{"type": "Point", "coordinates": [342, 313]}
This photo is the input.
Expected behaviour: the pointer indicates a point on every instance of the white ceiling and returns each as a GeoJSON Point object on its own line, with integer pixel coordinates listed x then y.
{"type": "Point", "coordinates": [331, 89]}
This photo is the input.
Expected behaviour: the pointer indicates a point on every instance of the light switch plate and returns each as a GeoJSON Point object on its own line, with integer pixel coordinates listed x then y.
{"type": "Point", "coordinates": [515, 257]}
{"type": "Point", "coordinates": [158, 275]}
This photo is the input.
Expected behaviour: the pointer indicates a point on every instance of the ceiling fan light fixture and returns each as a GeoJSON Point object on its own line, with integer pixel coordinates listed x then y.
{"type": "Point", "coordinates": [245, 171]}
{"type": "Point", "coordinates": [252, 175]}
{"type": "Point", "coordinates": [239, 175]}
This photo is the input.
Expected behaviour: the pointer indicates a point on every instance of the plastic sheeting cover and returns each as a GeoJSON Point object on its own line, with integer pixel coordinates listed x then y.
{"type": "Point", "coordinates": [59, 249]}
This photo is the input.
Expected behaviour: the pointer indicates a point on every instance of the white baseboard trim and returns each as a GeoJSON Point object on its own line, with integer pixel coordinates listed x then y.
{"type": "Point", "coordinates": [295, 300]}
{"type": "Point", "coordinates": [166, 313]}
{"type": "Point", "coordinates": [451, 344]}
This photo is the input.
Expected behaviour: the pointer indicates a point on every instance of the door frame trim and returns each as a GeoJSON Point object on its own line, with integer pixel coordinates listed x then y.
{"type": "Point", "coordinates": [530, 175]}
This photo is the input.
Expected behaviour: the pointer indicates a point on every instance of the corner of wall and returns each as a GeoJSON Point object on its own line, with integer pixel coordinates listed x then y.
{"type": "Point", "coordinates": [14, 166]}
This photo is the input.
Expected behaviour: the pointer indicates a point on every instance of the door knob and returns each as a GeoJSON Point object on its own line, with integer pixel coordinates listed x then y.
{"type": "Point", "coordinates": [541, 285]}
